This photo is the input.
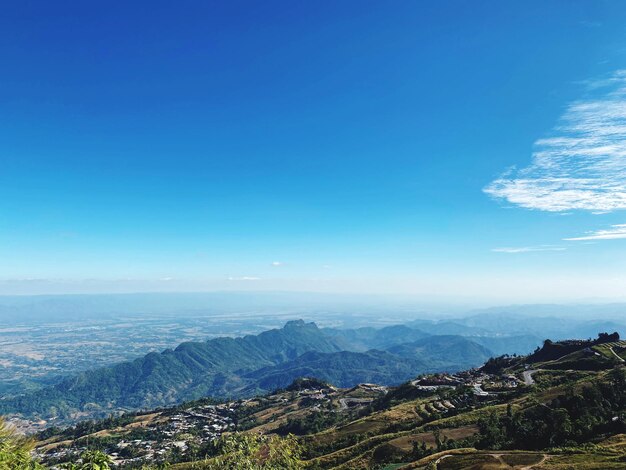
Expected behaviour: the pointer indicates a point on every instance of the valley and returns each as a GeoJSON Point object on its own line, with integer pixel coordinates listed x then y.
{"type": "Point", "coordinates": [481, 418]}
{"type": "Point", "coordinates": [57, 382]}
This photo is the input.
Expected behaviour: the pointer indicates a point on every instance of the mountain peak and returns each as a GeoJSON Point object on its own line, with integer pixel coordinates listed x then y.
{"type": "Point", "coordinates": [293, 324]}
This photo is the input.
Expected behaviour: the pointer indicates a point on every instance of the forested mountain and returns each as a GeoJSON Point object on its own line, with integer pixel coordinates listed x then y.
{"type": "Point", "coordinates": [235, 367]}
{"type": "Point", "coordinates": [561, 407]}
{"type": "Point", "coordinates": [257, 364]}
{"type": "Point", "coordinates": [343, 369]}
{"type": "Point", "coordinates": [226, 366]}
{"type": "Point", "coordinates": [446, 353]}
{"type": "Point", "coordinates": [190, 371]}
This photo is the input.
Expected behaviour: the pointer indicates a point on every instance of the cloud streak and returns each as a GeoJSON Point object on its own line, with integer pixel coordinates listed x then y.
{"type": "Point", "coordinates": [581, 165]}
{"type": "Point", "coordinates": [614, 233]}
{"type": "Point", "coordinates": [528, 249]}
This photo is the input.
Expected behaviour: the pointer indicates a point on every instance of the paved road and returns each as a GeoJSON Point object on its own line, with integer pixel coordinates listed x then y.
{"type": "Point", "coordinates": [528, 376]}
{"type": "Point", "coordinates": [478, 390]}
{"type": "Point", "coordinates": [344, 402]}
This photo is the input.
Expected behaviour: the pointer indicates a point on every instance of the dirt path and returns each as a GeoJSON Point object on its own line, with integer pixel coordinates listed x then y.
{"type": "Point", "coordinates": [441, 458]}
{"type": "Point", "coordinates": [615, 354]}
{"type": "Point", "coordinates": [530, 467]}
{"type": "Point", "coordinates": [499, 458]}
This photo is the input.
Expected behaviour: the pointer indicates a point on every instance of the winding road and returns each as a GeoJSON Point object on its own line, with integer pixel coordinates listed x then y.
{"type": "Point", "coordinates": [528, 376]}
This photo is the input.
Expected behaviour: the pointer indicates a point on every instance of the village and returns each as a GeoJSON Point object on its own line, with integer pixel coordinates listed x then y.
{"type": "Point", "coordinates": [181, 433]}
{"type": "Point", "coordinates": [155, 437]}
{"type": "Point", "coordinates": [481, 383]}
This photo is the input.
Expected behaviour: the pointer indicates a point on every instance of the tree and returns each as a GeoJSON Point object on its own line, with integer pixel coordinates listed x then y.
{"type": "Point", "coordinates": [69, 466]}
{"type": "Point", "coordinates": [95, 460]}
{"type": "Point", "coordinates": [256, 452]}
{"type": "Point", "coordinates": [15, 450]}
{"type": "Point", "coordinates": [492, 435]}
{"type": "Point", "coordinates": [419, 450]}
{"type": "Point", "coordinates": [438, 442]}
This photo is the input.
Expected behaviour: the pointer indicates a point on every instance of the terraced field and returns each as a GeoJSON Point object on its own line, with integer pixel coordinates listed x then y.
{"type": "Point", "coordinates": [413, 427]}
{"type": "Point", "coordinates": [614, 350]}
{"type": "Point", "coordinates": [405, 443]}
{"type": "Point", "coordinates": [467, 459]}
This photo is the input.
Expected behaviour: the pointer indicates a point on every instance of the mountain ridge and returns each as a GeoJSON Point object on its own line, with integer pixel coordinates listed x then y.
{"type": "Point", "coordinates": [514, 412]}
{"type": "Point", "coordinates": [232, 367]}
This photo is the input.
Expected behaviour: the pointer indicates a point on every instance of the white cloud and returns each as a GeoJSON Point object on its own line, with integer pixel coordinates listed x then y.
{"type": "Point", "coordinates": [244, 278]}
{"type": "Point", "coordinates": [581, 165]}
{"type": "Point", "coordinates": [614, 233]}
{"type": "Point", "coordinates": [277, 264]}
{"type": "Point", "coordinates": [527, 249]}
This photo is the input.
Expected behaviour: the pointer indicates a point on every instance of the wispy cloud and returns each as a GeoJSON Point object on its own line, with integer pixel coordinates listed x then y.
{"type": "Point", "coordinates": [613, 233]}
{"type": "Point", "coordinates": [581, 165]}
{"type": "Point", "coordinates": [244, 278]}
{"type": "Point", "coordinates": [277, 264]}
{"type": "Point", "coordinates": [528, 249]}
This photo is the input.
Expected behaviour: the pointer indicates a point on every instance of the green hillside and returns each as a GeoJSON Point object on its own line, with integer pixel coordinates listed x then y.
{"type": "Point", "coordinates": [481, 419]}
{"type": "Point", "coordinates": [241, 367]}
{"type": "Point", "coordinates": [446, 353]}
{"type": "Point", "coordinates": [343, 369]}
{"type": "Point", "coordinates": [190, 371]}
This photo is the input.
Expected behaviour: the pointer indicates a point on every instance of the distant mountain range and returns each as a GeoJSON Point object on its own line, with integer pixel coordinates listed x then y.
{"type": "Point", "coordinates": [257, 364]}
{"type": "Point", "coordinates": [234, 367]}
{"type": "Point", "coordinates": [560, 407]}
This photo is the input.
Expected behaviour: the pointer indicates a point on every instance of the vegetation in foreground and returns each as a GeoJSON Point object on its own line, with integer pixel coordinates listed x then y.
{"type": "Point", "coordinates": [15, 450]}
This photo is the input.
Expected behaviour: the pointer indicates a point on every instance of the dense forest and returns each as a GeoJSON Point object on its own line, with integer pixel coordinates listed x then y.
{"type": "Point", "coordinates": [248, 366]}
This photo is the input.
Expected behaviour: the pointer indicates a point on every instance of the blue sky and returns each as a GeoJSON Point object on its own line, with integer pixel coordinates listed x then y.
{"type": "Point", "coordinates": [429, 148]}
